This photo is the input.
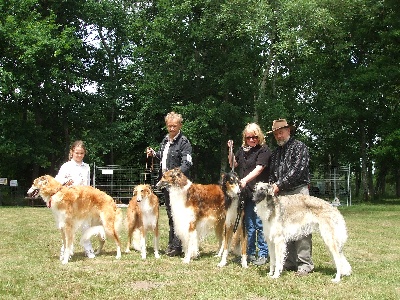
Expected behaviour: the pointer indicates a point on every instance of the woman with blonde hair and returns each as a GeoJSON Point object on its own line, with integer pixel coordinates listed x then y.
{"type": "Point", "coordinates": [252, 160]}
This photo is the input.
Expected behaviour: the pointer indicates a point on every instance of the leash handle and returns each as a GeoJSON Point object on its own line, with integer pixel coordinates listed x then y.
{"type": "Point", "coordinates": [230, 142]}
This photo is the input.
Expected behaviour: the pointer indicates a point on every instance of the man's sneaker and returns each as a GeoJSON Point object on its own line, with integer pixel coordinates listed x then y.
{"type": "Point", "coordinates": [90, 253]}
{"type": "Point", "coordinates": [260, 261]}
{"type": "Point", "coordinates": [175, 252]}
{"type": "Point", "coordinates": [289, 268]}
{"type": "Point", "coordinates": [251, 258]}
{"type": "Point", "coordinates": [169, 249]}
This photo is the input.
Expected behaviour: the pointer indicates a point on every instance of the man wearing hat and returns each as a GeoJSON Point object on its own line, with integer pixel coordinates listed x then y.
{"type": "Point", "coordinates": [289, 170]}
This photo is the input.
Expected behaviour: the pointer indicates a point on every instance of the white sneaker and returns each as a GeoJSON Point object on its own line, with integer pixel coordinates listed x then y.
{"type": "Point", "coordinates": [90, 253]}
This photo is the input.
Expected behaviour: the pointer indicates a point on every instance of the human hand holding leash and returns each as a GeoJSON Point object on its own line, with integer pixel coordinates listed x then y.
{"type": "Point", "coordinates": [150, 151]}
{"type": "Point", "coordinates": [275, 189]}
{"type": "Point", "coordinates": [231, 157]}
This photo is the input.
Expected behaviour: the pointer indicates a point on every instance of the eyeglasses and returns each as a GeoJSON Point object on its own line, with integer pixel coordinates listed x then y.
{"type": "Point", "coordinates": [252, 137]}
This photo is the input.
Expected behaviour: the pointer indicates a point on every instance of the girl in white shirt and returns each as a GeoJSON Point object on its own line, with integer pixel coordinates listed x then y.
{"type": "Point", "coordinates": [76, 172]}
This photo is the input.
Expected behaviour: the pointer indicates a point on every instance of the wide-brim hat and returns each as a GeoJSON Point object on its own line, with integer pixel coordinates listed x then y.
{"type": "Point", "coordinates": [280, 123]}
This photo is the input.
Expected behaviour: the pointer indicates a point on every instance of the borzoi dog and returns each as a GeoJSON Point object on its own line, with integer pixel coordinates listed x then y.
{"type": "Point", "coordinates": [142, 216]}
{"type": "Point", "coordinates": [72, 206]}
{"type": "Point", "coordinates": [196, 209]}
{"type": "Point", "coordinates": [287, 218]}
{"type": "Point", "coordinates": [234, 218]}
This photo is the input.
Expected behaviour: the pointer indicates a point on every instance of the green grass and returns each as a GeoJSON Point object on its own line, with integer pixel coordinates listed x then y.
{"type": "Point", "coordinates": [30, 268]}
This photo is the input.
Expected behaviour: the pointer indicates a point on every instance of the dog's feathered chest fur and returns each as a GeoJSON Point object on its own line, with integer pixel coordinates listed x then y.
{"type": "Point", "coordinates": [196, 207]}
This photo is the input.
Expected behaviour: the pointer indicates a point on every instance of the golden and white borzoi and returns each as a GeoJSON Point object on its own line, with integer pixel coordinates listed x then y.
{"type": "Point", "coordinates": [142, 216]}
{"type": "Point", "coordinates": [287, 218]}
{"type": "Point", "coordinates": [234, 217]}
{"type": "Point", "coordinates": [196, 209]}
{"type": "Point", "coordinates": [72, 206]}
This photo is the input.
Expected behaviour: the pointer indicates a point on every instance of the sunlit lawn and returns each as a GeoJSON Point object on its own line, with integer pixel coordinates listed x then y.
{"type": "Point", "coordinates": [30, 268]}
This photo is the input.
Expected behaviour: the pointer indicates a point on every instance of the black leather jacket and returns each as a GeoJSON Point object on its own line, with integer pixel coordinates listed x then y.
{"type": "Point", "coordinates": [290, 165]}
{"type": "Point", "coordinates": [179, 154]}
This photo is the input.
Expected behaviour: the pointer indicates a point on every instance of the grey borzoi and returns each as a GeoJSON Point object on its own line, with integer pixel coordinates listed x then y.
{"type": "Point", "coordinates": [287, 218]}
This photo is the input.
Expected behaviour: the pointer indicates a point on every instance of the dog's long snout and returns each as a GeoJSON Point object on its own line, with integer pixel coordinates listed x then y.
{"type": "Point", "coordinates": [32, 192]}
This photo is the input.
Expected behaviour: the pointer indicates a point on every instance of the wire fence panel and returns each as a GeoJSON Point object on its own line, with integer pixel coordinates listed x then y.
{"type": "Point", "coordinates": [120, 181]}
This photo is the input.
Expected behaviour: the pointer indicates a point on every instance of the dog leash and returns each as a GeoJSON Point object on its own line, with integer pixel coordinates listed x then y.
{"type": "Point", "coordinates": [241, 204]}
{"type": "Point", "coordinates": [239, 214]}
{"type": "Point", "coordinates": [232, 156]}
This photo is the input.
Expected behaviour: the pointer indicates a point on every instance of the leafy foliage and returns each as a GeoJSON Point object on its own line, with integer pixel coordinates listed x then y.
{"type": "Point", "coordinates": [109, 71]}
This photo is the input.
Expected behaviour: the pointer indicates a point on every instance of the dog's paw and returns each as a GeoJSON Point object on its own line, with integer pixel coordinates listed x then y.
{"type": "Point", "coordinates": [186, 260]}
{"type": "Point", "coordinates": [157, 255]}
{"type": "Point", "coordinates": [275, 275]}
{"type": "Point", "coordinates": [222, 264]}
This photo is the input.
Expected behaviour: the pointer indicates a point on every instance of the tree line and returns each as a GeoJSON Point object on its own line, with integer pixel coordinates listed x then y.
{"type": "Point", "coordinates": [108, 72]}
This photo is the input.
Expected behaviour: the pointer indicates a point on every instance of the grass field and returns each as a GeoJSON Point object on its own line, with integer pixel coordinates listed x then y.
{"type": "Point", "coordinates": [30, 268]}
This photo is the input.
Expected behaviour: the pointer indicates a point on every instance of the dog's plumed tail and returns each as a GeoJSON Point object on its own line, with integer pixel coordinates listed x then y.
{"type": "Point", "coordinates": [93, 231]}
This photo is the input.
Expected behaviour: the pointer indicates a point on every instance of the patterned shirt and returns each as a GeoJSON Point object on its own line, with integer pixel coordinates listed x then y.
{"type": "Point", "coordinates": [79, 173]}
{"type": "Point", "coordinates": [290, 165]}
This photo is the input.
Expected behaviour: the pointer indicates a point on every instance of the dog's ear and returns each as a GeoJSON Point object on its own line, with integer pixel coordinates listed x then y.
{"type": "Point", "coordinates": [134, 191]}
{"type": "Point", "coordinates": [222, 181]}
{"type": "Point", "coordinates": [150, 190]}
{"type": "Point", "coordinates": [222, 177]}
{"type": "Point", "coordinates": [175, 171]}
{"type": "Point", "coordinates": [271, 189]}
{"type": "Point", "coordinates": [43, 180]}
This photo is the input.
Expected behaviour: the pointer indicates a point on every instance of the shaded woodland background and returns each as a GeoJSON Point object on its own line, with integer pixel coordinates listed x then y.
{"type": "Point", "coordinates": [108, 71]}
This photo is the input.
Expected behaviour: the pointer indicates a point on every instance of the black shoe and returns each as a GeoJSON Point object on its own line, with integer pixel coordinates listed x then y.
{"type": "Point", "coordinates": [261, 261]}
{"type": "Point", "coordinates": [174, 252]}
{"type": "Point", "coordinates": [285, 268]}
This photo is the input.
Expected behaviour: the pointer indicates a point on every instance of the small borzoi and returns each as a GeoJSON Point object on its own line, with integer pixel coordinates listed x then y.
{"type": "Point", "coordinates": [142, 216]}
{"type": "Point", "coordinates": [287, 218]}
{"type": "Point", "coordinates": [72, 206]}
{"type": "Point", "coordinates": [196, 209]}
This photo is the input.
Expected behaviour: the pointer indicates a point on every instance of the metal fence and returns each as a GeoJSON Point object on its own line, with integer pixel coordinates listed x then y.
{"type": "Point", "coordinates": [336, 185]}
{"type": "Point", "coordinates": [120, 181]}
